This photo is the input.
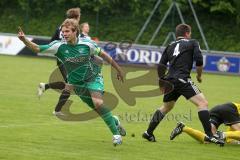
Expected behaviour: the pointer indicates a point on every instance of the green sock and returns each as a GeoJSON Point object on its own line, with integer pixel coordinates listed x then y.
{"type": "Point", "coordinates": [106, 115]}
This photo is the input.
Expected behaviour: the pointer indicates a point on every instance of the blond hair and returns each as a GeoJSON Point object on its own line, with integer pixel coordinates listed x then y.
{"type": "Point", "coordinates": [69, 22]}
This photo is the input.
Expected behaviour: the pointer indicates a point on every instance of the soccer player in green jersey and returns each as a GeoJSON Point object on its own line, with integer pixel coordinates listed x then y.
{"type": "Point", "coordinates": [83, 75]}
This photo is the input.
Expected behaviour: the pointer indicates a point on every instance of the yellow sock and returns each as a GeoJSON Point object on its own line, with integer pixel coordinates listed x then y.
{"type": "Point", "coordinates": [232, 135]}
{"type": "Point", "coordinates": [196, 134]}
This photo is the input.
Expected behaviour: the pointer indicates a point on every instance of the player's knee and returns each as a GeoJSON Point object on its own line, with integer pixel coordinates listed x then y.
{"type": "Point", "coordinates": [68, 87]}
{"type": "Point", "coordinates": [98, 103]}
{"type": "Point", "coordinates": [203, 104]}
{"type": "Point", "coordinates": [165, 109]}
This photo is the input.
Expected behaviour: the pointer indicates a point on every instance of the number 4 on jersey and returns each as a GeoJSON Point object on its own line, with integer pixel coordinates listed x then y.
{"type": "Point", "coordinates": [176, 50]}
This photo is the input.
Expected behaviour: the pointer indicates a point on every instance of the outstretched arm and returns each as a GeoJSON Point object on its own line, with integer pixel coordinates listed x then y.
{"type": "Point", "coordinates": [33, 46]}
{"type": "Point", "coordinates": [109, 59]}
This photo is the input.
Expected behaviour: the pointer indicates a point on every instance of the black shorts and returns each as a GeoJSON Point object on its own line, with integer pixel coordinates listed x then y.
{"type": "Point", "coordinates": [181, 87]}
{"type": "Point", "coordinates": [62, 70]}
{"type": "Point", "coordinates": [225, 113]}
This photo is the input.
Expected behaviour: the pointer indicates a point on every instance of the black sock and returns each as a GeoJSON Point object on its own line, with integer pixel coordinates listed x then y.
{"type": "Point", "coordinates": [47, 86]}
{"type": "Point", "coordinates": [62, 100]}
{"type": "Point", "coordinates": [157, 117]}
{"type": "Point", "coordinates": [55, 85]}
{"type": "Point", "coordinates": [204, 118]}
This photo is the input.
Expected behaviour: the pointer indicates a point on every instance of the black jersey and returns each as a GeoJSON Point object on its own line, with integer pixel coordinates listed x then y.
{"type": "Point", "coordinates": [180, 55]}
{"type": "Point", "coordinates": [57, 35]}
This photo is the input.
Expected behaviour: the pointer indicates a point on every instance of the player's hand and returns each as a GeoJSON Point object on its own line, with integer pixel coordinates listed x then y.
{"type": "Point", "coordinates": [165, 86]}
{"type": "Point", "coordinates": [199, 78]}
{"type": "Point", "coordinates": [120, 76]}
{"type": "Point", "coordinates": [161, 86]}
{"type": "Point", "coordinates": [21, 34]}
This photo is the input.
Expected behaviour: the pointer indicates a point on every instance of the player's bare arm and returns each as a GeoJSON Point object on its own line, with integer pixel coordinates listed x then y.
{"type": "Point", "coordinates": [33, 46]}
{"type": "Point", "coordinates": [109, 59]}
{"type": "Point", "coordinates": [199, 73]}
{"type": "Point", "coordinates": [199, 60]}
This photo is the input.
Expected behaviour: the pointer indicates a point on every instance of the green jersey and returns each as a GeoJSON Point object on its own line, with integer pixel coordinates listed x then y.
{"type": "Point", "coordinates": [79, 60]}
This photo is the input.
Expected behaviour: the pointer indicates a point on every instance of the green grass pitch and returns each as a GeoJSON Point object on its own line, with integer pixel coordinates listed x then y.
{"type": "Point", "coordinates": [29, 131]}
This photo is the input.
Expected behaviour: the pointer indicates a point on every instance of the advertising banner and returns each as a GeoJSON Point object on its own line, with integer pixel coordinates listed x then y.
{"type": "Point", "coordinates": [127, 53]}
{"type": "Point", "coordinates": [150, 56]}
{"type": "Point", "coordinates": [11, 45]}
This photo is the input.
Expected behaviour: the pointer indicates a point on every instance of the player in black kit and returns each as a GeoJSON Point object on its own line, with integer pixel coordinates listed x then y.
{"type": "Point", "coordinates": [181, 55]}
